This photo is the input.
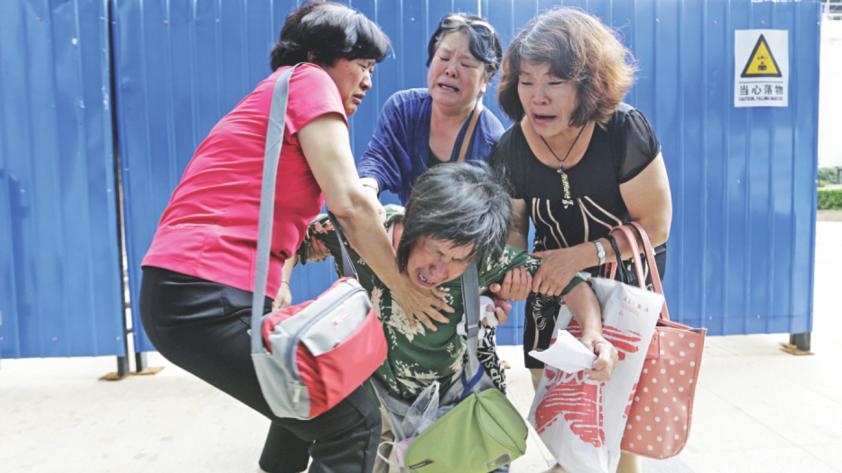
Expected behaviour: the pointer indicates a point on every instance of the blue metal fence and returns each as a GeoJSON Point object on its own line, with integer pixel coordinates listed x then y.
{"type": "Point", "coordinates": [182, 68]}
{"type": "Point", "coordinates": [743, 179]}
{"type": "Point", "coordinates": [60, 293]}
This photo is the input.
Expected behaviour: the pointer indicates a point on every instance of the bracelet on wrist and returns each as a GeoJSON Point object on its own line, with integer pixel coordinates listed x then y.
{"type": "Point", "coordinates": [600, 252]}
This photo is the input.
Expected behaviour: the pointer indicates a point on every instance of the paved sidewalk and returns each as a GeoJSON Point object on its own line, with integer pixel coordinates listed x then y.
{"type": "Point", "coordinates": [757, 409]}
{"type": "Point", "coordinates": [829, 215]}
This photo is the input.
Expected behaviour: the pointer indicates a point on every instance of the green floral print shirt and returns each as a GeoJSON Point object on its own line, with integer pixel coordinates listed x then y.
{"type": "Point", "coordinates": [417, 356]}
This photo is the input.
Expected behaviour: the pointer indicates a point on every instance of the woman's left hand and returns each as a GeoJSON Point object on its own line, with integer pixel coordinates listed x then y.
{"type": "Point", "coordinates": [283, 298]}
{"type": "Point", "coordinates": [557, 269]}
{"type": "Point", "coordinates": [606, 360]}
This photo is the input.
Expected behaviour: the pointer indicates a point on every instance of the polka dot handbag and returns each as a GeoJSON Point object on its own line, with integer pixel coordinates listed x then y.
{"type": "Point", "coordinates": [662, 407]}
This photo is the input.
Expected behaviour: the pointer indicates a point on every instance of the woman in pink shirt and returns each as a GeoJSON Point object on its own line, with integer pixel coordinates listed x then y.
{"type": "Point", "coordinates": [197, 275]}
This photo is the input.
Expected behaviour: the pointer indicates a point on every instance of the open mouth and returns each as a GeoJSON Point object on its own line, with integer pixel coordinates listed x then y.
{"type": "Point", "coordinates": [543, 118]}
{"type": "Point", "coordinates": [423, 280]}
{"type": "Point", "coordinates": [449, 88]}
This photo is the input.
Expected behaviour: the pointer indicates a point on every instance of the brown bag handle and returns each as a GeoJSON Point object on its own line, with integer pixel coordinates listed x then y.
{"type": "Point", "coordinates": [653, 267]}
{"type": "Point", "coordinates": [650, 256]}
{"type": "Point", "coordinates": [632, 241]}
{"type": "Point", "coordinates": [628, 231]}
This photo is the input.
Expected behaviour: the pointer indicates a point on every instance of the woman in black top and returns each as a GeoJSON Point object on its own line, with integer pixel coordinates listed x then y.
{"type": "Point", "coordinates": [577, 159]}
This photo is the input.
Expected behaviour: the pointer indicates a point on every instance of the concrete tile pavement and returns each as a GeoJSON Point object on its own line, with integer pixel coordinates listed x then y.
{"type": "Point", "coordinates": [757, 409]}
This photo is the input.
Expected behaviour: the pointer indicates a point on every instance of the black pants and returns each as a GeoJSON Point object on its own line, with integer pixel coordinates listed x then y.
{"type": "Point", "coordinates": [202, 327]}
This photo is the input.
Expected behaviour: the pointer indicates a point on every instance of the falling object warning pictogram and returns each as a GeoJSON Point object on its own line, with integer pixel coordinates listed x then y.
{"type": "Point", "coordinates": [761, 62]}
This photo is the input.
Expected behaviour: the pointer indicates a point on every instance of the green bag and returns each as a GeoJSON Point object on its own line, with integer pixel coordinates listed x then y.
{"type": "Point", "coordinates": [482, 433]}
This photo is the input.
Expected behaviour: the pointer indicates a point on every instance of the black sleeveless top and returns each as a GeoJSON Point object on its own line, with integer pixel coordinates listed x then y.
{"type": "Point", "coordinates": [618, 152]}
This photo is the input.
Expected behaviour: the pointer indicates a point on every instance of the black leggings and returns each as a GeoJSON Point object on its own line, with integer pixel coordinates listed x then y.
{"type": "Point", "coordinates": [202, 327]}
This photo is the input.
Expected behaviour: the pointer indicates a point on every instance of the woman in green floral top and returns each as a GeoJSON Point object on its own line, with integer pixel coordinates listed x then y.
{"type": "Point", "coordinates": [456, 213]}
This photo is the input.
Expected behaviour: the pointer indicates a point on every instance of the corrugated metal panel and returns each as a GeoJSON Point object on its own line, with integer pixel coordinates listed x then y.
{"type": "Point", "coordinates": [740, 258]}
{"type": "Point", "coordinates": [60, 293]}
{"type": "Point", "coordinates": [182, 65]}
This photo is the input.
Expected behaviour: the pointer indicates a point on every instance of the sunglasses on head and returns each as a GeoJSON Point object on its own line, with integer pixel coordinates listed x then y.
{"type": "Point", "coordinates": [454, 21]}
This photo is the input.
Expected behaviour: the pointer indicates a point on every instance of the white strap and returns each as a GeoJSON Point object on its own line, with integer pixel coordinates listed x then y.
{"type": "Point", "coordinates": [271, 156]}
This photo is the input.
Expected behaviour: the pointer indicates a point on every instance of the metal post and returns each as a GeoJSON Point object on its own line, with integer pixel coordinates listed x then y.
{"type": "Point", "coordinates": [800, 341]}
{"type": "Point", "coordinates": [122, 366]}
{"type": "Point", "coordinates": [123, 362]}
{"type": "Point", "coordinates": [140, 362]}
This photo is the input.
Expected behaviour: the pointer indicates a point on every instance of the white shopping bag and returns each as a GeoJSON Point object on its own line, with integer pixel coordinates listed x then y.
{"type": "Point", "coordinates": [582, 421]}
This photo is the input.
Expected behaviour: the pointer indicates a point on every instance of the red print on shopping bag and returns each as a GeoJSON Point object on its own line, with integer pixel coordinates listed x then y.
{"type": "Point", "coordinates": [625, 341]}
{"type": "Point", "coordinates": [577, 398]}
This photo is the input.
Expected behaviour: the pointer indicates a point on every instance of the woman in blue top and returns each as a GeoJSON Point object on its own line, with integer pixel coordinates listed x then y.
{"type": "Point", "coordinates": [419, 128]}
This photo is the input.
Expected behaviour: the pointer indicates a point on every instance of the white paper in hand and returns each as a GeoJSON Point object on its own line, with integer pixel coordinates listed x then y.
{"type": "Point", "coordinates": [566, 354]}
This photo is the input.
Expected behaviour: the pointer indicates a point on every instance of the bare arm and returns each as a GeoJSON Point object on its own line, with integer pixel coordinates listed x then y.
{"type": "Point", "coordinates": [284, 296]}
{"type": "Point", "coordinates": [328, 151]}
{"type": "Point", "coordinates": [289, 264]}
{"type": "Point", "coordinates": [370, 185]}
{"type": "Point", "coordinates": [519, 231]}
{"type": "Point", "coordinates": [584, 306]}
{"type": "Point", "coordinates": [648, 198]}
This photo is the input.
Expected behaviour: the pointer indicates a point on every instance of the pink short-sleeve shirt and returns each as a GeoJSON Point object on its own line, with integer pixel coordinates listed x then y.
{"type": "Point", "coordinates": [209, 228]}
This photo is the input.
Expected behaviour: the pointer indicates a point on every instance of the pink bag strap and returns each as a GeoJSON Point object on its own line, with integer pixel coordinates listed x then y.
{"type": "Point", "coordinates": [632, 241]}
{"type": "Point", "coordinates": [650, 256]}
{"type": "Point", "coordinates": [653, 267]}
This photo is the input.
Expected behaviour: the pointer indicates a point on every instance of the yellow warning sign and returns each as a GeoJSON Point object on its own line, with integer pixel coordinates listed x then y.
{"type": "Point", "coordinates": [761, 68]}
{"type": "Point", "coordinates": [761, 62]}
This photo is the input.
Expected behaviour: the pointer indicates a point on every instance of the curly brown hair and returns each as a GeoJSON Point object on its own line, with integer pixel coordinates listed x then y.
{"type": "Point", "coordinates": [578, 47]}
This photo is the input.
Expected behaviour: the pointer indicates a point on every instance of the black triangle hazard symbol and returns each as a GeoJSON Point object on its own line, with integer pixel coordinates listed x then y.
{"type": "Point", "coordinates": [761, 62]}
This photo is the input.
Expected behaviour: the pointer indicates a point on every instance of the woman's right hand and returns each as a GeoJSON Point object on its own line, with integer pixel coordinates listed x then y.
{"type": "Point", "coordinates": [607, 356]}
{"type": "Point", "coordinates": [420, 305]}
{"type": "Point", "coordinates": [557, 270]}
{"type": "Point", "coordinates": [283, 298]}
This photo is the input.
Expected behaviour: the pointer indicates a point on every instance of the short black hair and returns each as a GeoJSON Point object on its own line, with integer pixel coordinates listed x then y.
{"type": "Point", "coordinates": [482, 39]}
{"type": "Point", "coordinates": [323, 32]}
{"type": "Point", "coordinates": [462, 203]}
